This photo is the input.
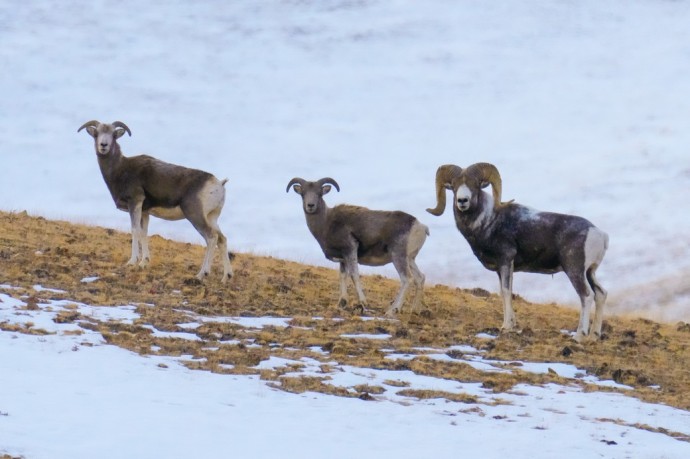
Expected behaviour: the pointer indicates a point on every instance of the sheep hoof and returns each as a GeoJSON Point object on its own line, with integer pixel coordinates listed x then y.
{"type": "Point", "coordinates": [342, 303]}
{"type": "Point", "coordinates": [144, 263]}
{"type": "Point", "coordinates": [358, 309]}
{"type": "Point", "coordinates": [580, 337]}
{"type": "Point", "coordinates": [505, 330]}
{"type": "Point", "coordinates": [591, 338]}
{"type": "Point", "coordinates": [392, 313]}
{"type": "Point", "coordinates": [131, 262]}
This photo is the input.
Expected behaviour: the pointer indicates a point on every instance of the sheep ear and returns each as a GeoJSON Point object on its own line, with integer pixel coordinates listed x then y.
{"type": "Point", "coordinates": [119, 133]}
{"type": "Point", "coordinates": [91, 130]}
{"type": "Point", "coordinates": [325, 189]}
{"type": "Point", "coordinates": [297, 188]}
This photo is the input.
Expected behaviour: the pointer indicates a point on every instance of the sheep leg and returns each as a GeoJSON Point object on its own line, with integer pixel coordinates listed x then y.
{"type": "Point", "coordinates": [505, 277]}
{"type": "Point", "coordinates": [135, 214]}
{"type": "Point", "coordinates": [353, 270]}
{"type": "Point", "coordinates": [402, 266]}
{"type": "Point", "coordinates": [203, 210]}
{"type": "Point", "coordinates": [596, 244]}
{"type": "Point", "coordinates": [196, 216]}
{"type": "Point", "coordinates": [414, 245]}
{"type": "Point", "coordinates": [418, 278]}
{"type": "Point", "coordinates": [225, 256]}
{"type": "Point", "coordinates": [599, 301]}
{"type": "Point", "coordinates": [342, 301]}
{"type": "Point", "coordinates": [587, 301]}
{"type": "Point", "coordinates": [577, 279]}
{"type": "Point", "coordinates": [144, 240]}
{"type": "Point", "coordinates": [222, 246]}
{"type": "Point", "coordinates": [211, 243]}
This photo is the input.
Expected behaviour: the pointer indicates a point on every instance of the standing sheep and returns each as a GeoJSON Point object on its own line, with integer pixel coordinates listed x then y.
{"type": "Point", "coordinates": [352, 235]}
{"type": "Point", "coordinates": [508, 237]}
{"type": "Point", "coordinates": [142, 185]}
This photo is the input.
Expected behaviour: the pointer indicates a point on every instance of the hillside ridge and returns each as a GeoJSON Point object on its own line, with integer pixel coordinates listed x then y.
{"type": "Point", "coordinates": [44, 260]}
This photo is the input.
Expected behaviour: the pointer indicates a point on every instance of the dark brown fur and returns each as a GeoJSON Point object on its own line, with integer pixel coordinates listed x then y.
{"type": "Point", "coordinates": [160, 184]}
{"type": "Point", "coordinates": [372, 230]}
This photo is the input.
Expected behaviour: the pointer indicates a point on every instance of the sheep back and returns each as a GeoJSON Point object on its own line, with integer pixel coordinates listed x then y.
{"type": "Point", "coordinates": [161, 184]}
{"type": "Point", "coordinates": [540, 242]}
{"type": "Point", "coordinates": [374, 231]}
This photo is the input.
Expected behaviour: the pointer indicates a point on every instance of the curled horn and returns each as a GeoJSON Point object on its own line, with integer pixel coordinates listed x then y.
{"type": "Point", "coordinates": [444, 176]}
{"type": "Point", "coordinates": [488, 175]}
{"type": "Point", "coordinates": [295, 181]}
{"type": "Point", "coordinates": [326, 180]}
{"type": "Point", "coordinates": [93, 123]}
{"type": "Point", "coordinates": [122, 125]}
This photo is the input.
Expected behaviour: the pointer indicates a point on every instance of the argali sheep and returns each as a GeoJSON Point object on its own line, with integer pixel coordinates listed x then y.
{"type": "Point", "coordinates": [508, 237]}
{"type": "Point", "coordinates": [143, 186]}
{"type": "Point", "coordinates": [352, 235]}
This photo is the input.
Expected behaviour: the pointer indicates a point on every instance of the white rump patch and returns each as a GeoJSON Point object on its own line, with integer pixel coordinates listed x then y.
{"type": "Point", "coordinates": [212, 195]}
{"type": "Point", "coordinates": [418, 235]}
{"type": "Point", "coordinates": [596, 244]}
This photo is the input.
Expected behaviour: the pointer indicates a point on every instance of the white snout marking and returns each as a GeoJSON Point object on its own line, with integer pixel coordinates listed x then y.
{"type": "Point", "coordinates": [463, 194]}
{"type": "Point", "coordinates": [103, 142]}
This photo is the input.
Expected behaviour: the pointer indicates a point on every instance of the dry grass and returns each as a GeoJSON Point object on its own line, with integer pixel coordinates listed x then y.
{"type": "Point", "coordinates": [652, 357]}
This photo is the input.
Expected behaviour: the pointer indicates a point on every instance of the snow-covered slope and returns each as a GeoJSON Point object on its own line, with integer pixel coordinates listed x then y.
{"type": "Point", "coordinates": [68, 395]}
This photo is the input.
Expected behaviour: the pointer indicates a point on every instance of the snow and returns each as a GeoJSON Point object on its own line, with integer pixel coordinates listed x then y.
{"type": "Point", "coordinates": [580, 105]}
{"type": "Point", "coordinates": [366, 336]}
{"type": "Point", "coordinates": [88, 280]}
{"type": "Point", "coordinates": [40, 288]}
{"type": "Point", "coordinates": [73, 396]}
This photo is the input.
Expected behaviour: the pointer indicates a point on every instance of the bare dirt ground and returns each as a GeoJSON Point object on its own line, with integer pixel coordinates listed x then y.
{"type": "Point", "coordinates": [653, 358]}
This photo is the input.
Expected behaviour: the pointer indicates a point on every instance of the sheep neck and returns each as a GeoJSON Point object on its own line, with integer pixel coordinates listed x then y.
{"type": "Point", "coordinates": [316, 222]}
{"type": "Point", "coordinates": [110, 166]}
{"type": "Point", "coordinates": [109, 163]}
{"type": "Point", "coordinates": [480, 217]}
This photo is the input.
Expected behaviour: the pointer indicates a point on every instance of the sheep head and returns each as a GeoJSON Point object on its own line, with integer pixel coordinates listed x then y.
{"type": "Point", "coordinates": [468, 181]}
{"type": "Point", "coordinates": [105, 135]}
{"type": "Point", "coordinates": [312, 192]}
{"type": "Point", "coordinates": [485, 174]}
